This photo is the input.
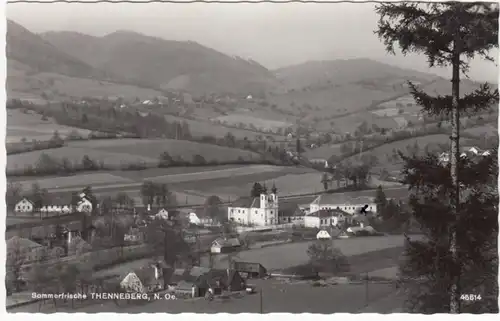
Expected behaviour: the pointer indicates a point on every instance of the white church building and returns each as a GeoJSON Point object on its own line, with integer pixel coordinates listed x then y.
{"type": "Point", "coordinates": [258, 211]}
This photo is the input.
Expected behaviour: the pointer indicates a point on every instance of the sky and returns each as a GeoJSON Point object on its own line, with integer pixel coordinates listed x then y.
{"type": "Point", "coordinates": [275, 35]}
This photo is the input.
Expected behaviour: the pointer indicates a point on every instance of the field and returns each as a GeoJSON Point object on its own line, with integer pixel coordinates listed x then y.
{"type": "Point", "coordinates": [422, 141]}
{"type": "Point", "coordinates": [278, 296]}
{"type": "Point", "coordinates": [287, 185]}
{"type": "Point", "coordinates": [117, 152]}
{"type": "Point", "coordinates": [486, 130]}
{"type": "Point", "coordinates": [31, 126]}
{"type": "Point", "coordinates": [294, 254]}
{"type": "Point", "coordinates": [78, 180]}
{"type": "Point", "coordinates": [23, 82]}
{"type": "Point", "coordinates": [265, 124]}
{"type": "Point", "coordinates": [323, 152]}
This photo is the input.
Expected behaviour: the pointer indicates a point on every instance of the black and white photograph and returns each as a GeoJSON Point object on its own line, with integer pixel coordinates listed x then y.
{"type": "Point", "coordinates": [225, 157]}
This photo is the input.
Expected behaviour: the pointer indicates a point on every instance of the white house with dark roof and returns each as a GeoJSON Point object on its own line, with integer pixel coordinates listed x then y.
{"type": "Point", "coordinates": [344, 203]}
{"type": "Point", "coordinates": [24, 206]}
{"type": "Point", "coordinates": [259, 211]}
{"type": "Point", "coordinates": [325, 218]}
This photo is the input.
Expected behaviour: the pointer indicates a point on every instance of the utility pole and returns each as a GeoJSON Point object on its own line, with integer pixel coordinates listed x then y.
{"type": "Point", "coordinates": [261, 307]}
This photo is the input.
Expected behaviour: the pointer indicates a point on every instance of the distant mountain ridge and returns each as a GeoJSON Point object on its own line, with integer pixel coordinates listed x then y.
{"type": "Point", "coordinates": [165, 64]}
{"type": "Point", "coordinates": [33, 51]}
{"type": "Point", "coordinates": [345, 71]}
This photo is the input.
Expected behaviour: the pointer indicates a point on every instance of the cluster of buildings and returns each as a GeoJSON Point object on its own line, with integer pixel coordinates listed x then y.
{"type": "Point", "coordinates": [466, 152]}
{"type": "Point", "coordinates": [83, 205]}
{"type": "Point", "coordinates": [326, 210]}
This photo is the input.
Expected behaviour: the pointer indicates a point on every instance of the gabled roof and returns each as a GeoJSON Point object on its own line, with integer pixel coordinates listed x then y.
{"type": "Point", "coordinates": [23, 243]}
{"type": "Point", "coordinates": [334, 199]}
{"type": "Point", "coordinates": [25, 199]}
{"type": "Point", "coordinates": [228, 242]}
{"type": "Point", "coordinates": [247, 202]}
{"type": "Point", "coordinates": [328, 213]}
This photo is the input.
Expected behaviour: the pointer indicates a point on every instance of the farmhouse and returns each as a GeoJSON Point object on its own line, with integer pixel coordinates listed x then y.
{"type": "Point", "coordinates": [259, 211]}
{"type": "Point", "coordinates": [23, 249]}
{"type": "Point", "coordinates": [225, 245]}
{"type": "Point", "coordinates": [326, 218]}
{"type": "Point", "coordinates": [197, 281]}
{"type": "Point", "coordinates": [342, 202]}
{"type": "Point", "coordinates": [251, 270]}
{"type": "Point", "coordinates": [149, 278]}
{"type": "Point", "coordinates": [24, 206]}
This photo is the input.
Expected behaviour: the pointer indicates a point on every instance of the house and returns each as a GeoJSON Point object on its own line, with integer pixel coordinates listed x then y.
{"type": "Point", "coordinates": [323, 235]}
{"type": "Point", "coordinates": [23, 249]}
{"type": "Point", "coordinates": [326, 218]}
{"type": "Point", "coordinates": [342, 202]}
{"type": "Point", "coordinates": [225, 245]}
{"type": "Point", "coordinates": [24, 206]}
{"type": "Point", "coordinates": [84, 205]}
{"type": "Point", "coordinates": [259, 211]}
{"type": "Point", "coordinates": [134, 235]}
{"type": "Point", "coordinates": [149, 278]}
{"type": "Point", "coordinates": [162, 214]}
{"type": "Point", "coordinates": [291, 213]}
{"type": "Point", "coordinates": [249, 269]}
{"type": "Point", "coordinates": [197, 281]}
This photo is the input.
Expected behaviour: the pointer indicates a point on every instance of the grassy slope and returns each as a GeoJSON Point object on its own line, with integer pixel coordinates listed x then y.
{"type": "Point", "coordinates": [31, 126]}
{"type": "Point", "coordinates": [132, 150]}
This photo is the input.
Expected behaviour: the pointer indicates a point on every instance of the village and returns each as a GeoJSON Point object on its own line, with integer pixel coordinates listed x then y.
{"type": "Point", "coordinates": [213, 248]}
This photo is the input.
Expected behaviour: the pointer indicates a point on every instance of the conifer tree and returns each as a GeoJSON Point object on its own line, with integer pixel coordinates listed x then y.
{"type": "Point", "coordinates": [448, 34]}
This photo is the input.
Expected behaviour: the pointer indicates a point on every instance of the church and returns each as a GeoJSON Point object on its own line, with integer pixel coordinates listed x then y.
{"type": "Point", "coordinates": [257, 211]}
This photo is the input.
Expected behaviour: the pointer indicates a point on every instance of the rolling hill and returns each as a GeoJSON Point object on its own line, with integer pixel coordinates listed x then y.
{"type": "Point", "coordinates": [38, 71]}
{"type": "Point", "coordinates": [164, 64]}
{"type": "Point", "coordinates": [34, 52]}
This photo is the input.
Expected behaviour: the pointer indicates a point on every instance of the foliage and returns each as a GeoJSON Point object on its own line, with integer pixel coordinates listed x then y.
{"type": "Point", "coordinates": [454, 204]}
{"type": "Point", "coordinates": [324, 257]}
{"type": "Point", "coordinates": [157, 194]}
{"type": "Point", "coordinates": [258, 189]}
{"type": "Point", "coordinates": [213, 209]}
{"type": "Point", "coordinates": [165, 238]}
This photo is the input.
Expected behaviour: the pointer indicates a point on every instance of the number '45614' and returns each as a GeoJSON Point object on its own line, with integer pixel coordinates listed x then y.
{"type": "Point", "coordinates": [470, 297]}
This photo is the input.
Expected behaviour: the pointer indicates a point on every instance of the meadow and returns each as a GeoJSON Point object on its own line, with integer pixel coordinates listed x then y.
{"type": "Point", "coordinates": [288, 184]}
{"type": "Point", "coordinates": [123, 151]}
{"type": "Point", "coordinates": [323, 152]}
{"type": "Point", "coordinates": [31, 126]}
{"type": "Point", "coordinates": [486, 130]}
{"type": "Point", "coordinates": [24, 82]}
{"type": "Point", "coordinates": [294, 254]}
{"type": "Point", "coordinates": [200, 127]}
{"type": "Point", "coordinates": [382, 151]}
{"type": "Point", "coordinates": [265, 124]}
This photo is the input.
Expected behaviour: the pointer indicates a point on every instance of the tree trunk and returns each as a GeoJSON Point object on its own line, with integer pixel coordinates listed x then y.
{"type": "Point", "coordinates": [455, 154]}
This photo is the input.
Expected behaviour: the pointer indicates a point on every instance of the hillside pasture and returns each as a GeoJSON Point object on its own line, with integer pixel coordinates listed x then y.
{"type": "Point", "coordinates": [126, 151]}
{"type": "Point", "coordinates": [288, 184]}
{"type": "Point", "coordinates": [89, 179]}
{"type": "Point", "coordinates": [485, 130]}
{"type": "Point", "coordinates": [386, 149]}
{"type": "Point", "coordinates": [23, 81]}
{"type": "Point", "coordinates": [75, 155]}
{"type": "Point", "coordinates": [205, 127]}
{"type": "Point", "coordinates": [323, 152]}
{"type": "Point", "coordinates": [152, 148]}
{"type": "Point", "coordinates": [31, 126]}
{"type": "Point", "coordinates": [260, 123]}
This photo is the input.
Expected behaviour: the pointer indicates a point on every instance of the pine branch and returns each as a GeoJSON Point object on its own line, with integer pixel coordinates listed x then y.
{"type": "Point", "coordinates": [478, 100]}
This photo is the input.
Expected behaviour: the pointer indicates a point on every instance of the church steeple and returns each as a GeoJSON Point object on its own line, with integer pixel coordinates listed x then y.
{"type": "Point", "coordinates": [274, 190]}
